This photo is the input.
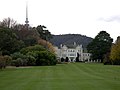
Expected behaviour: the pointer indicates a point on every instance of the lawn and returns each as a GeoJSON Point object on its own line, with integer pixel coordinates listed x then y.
{"type": "Point", "coordinates": [72, 76]}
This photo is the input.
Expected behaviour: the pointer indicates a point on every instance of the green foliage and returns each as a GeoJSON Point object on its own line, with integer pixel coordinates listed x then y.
{"type": "Point", "coordinates": [31, 60]}
{"type": "Point", "coordinates": [42, 56]}
{"type": "Point", "coordinates": [29, 37]}
{"type": "Point", "coordinates": [14, 37]}
{"type": "Point", "coordinates": [18, 62]}
{"type": "Point", "coordinates": [100, 45]}
{"type": "Point", "coordinates": [19, 59]}
{"type": "Point", "coordinates": [32, 49]}
{"type": "Point", "coordinates": [30, 41]}
{"type": "Point", "coordinates": [34, 55]}
{"type": "Point", "coordinates": [44, 34]}
{"type": "Point", "coordinates": [8, 41]}
{"type": "Point", "coordinates": [17, 55]}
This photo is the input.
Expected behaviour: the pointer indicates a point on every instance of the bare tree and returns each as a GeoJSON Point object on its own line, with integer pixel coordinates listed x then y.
{"type": "Point", "coordinates": [8, 22]}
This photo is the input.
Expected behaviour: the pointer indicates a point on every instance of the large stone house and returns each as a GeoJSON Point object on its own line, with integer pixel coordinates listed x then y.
{"type": "Point", "coordinates": [72, 52]}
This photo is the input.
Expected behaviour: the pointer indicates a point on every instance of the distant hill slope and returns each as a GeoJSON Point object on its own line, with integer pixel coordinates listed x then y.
{"type": "Point", "coordinates": [66, 39]}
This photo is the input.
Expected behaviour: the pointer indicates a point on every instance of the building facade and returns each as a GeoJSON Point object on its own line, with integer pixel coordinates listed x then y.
{"type": "Point", "coordinates": [72, 52]}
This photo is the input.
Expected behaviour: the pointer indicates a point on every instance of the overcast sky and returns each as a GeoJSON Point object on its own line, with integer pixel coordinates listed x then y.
{"type": "Point", "coordinates": [86, 17]}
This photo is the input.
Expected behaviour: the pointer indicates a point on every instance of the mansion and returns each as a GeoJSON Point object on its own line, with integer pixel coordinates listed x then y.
{"type": "Point", "coordinates": [72, 52]}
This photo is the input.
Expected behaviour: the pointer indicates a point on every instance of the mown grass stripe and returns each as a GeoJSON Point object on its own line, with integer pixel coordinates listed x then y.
{"type": "Point", "coordinates": [72, 76]}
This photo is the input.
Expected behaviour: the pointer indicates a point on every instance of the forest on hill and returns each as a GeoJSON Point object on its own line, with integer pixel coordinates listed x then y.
{"type": "Point", "coordinates": [70, 39]}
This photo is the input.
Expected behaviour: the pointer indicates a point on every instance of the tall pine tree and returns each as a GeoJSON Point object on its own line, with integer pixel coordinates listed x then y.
{"type": "Point", "coordinates": [100, 45]}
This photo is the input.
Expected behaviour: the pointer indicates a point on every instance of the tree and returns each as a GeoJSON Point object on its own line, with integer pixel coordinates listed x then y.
{"type": "Point", "coordinates": [5, 61]}
{"type": "Point", "coordinates": [77, 58]}
{"type": "Point", "coordinates": [47, 45]}
{"type": "Point", "coordinates": [44, 34]}
{"type": "Point", "coordinates": [30, 41]}
{"type": "Point", "coordinates": [8, 41]}
{"type": "Point", "coordinates": [29, 37]}
{"type": "Point", "coordinates": [2, 62]}
{"type": "Point", "coordinates": [107, 60]}
{"type": "Point", "coordinates": [115, 52]}
{"type": "Point", "coordinates": [62, 59]}
{"type": "Point", "coordinates": [67, 59]}
{"type": "Point", "coordinates": [100, 45]}
{"type": "Point", "coordinates": [8, 22]}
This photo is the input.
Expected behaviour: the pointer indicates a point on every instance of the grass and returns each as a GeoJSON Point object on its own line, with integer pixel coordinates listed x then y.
{"type": "Point", "coordinates": [73, 76]}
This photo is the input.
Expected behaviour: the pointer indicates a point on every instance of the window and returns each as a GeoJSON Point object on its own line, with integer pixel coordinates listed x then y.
{"type": "Point", "coordinates": [72, 54]}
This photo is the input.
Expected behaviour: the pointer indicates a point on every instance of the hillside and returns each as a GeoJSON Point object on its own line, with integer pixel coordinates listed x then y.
{"type": "Point", "coordinates": [70, 39]}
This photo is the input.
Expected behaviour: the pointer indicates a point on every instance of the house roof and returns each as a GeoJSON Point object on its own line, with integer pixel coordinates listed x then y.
{"type": "Point", "coordinates": [71, 46]}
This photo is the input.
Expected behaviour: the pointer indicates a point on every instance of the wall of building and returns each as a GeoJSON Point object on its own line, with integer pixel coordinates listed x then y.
{"type": "Point", "coordinates": [72, 53]}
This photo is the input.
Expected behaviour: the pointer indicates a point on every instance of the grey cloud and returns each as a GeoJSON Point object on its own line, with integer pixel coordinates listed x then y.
{"type": "Point", "coordinates": [111, 19]}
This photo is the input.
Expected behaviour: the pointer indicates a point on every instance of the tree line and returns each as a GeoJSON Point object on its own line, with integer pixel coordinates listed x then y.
{"type": "Point", "coordinates": [15, 38]}
{"type": "Point", "coordinates": [25, 47]}
{"type": "Point", "coordinates": [102, 48]}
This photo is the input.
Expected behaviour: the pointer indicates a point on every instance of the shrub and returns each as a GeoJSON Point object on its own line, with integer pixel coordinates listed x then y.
{"type": "Point", "coordinates": [32, 49]}
{"type": "Point", "coordinates": [52, 58]}
{"type": "Point", "coordinates": [2, 62]}
{"type": "Point", "coordinates": [8, 60]}
{"type": "Point", "coordinates": [67, 59]}
{"type": "Point", "coordinates": [41, 62]}
{"type": "Point", "coordinates": [41, 55]}
{"type": "Point", "coordinates": [62, 59]}
{"type": "Point", "coordinates": [17, 55]}
{"type": "Point", "coordinates": [46, 58]}
{"type": "Point", "coordinates": [5, 61]}
{"type": "Point", "coordinates": [31, 60]}
{"type": "Point", "coordinates": [19, 59]}
{"type": "Point", "coordinates": [18, 62]}
{"type": "Point", "coordinates": [34, 55]}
